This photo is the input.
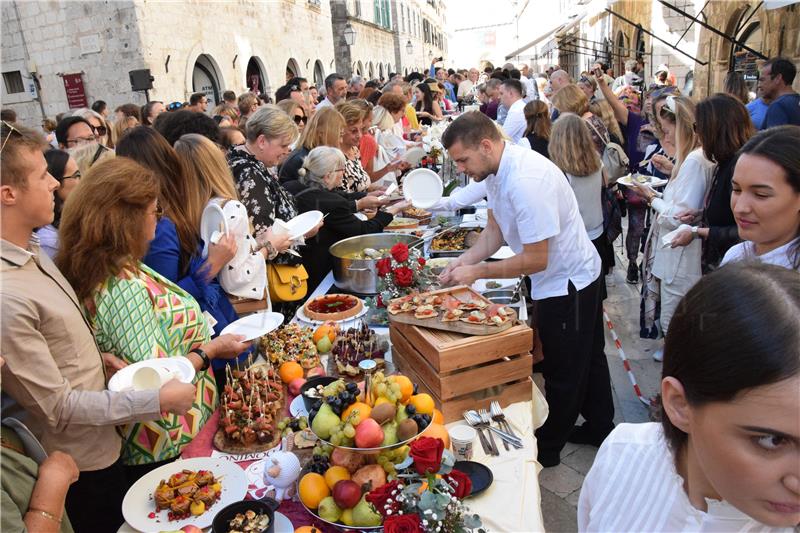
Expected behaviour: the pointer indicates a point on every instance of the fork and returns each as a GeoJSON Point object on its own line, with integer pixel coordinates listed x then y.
{"type": "Point", "coordinates": [497, 417]}
{"type": "Point", "coordinates": [497, 414]}
{"type": "Point", "coordinates": [488, 422]}
{"type": "Point", "coordinates": [516, 442]}
{"type": "Point", "coordinates": [473, 422]}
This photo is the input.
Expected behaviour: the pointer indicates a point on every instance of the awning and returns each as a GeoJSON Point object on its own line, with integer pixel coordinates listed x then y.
{"type": "Point", "coordinates": [777, 4]}
{"type": "Point", "coordinates": [536, 41]}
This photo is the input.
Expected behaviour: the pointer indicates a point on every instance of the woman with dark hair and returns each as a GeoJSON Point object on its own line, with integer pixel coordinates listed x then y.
{"type": "Point", "coordinates": [64, 169]}
{"type": "Point", "coordinates": [537, 132]}
{"type": "Point", "coordinates": [725, 456]}
{"type": "Point", "coordinates": [735, 86]}
{"type": "Point", "coordinates": [766, 198]}
{"type": "Point", "coordinates": [723, 126]}
{"type": "Point", "coordinates": [427, 110]}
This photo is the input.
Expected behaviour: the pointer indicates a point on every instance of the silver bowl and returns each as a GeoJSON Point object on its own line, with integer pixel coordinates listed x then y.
{"type": "Point", "coordinates": [372, 451]}
{"type": "Point", "coordinates": [503, 296]}
{"type": "Point", "coordinates": [361, 275]}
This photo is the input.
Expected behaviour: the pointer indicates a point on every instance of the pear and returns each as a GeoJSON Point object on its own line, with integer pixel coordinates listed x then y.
{"type": "Point", "coordinates": [324, 422]}
{"type": "Point", "coordinates": [347, 517]}
{"type": "Point", "coordinates": [328, 510]}
{"type": "Point", "coordinates": [401, 414]}
{"type": "Point", "coordinates": [390, 434]}
{"type": "Point", "coordinates": [365, 515]}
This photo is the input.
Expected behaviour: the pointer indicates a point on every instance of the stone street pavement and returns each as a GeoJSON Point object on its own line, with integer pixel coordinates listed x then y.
{"type": "Point", "coordinates": [561, 485]}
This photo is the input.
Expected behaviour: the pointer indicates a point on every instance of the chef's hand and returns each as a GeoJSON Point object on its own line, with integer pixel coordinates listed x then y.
{"type": "Point", "coordinates": [176, 397]}
{"type": "Point", "coordinates": [663, 164]}
{"type": "Point", "coordinates": [464, 275]}
{"type": "Point", "coordinates": [446, 275]}
{"type": "Point", "coordinates": [112, 364]}
{"type": "Point", "coordinates": [683, 238]}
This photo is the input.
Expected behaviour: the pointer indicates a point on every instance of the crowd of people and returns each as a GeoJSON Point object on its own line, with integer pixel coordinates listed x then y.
{"type": "Point", "coordinates": [108, 258]}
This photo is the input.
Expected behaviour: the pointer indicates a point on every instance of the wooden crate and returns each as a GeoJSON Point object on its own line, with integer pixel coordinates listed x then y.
{"type": "Point", "coordinates": [465, 372]}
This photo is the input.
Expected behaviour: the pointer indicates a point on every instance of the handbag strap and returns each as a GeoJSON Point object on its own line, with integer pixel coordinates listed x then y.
{"type": "Point", "coordinates": [602, 139]}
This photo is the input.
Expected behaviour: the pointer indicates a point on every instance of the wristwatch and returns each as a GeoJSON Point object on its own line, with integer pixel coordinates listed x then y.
{"type": "Point", "coordinates": [694, 232]}
{"type": "Point", "coordinates": [204, 356]}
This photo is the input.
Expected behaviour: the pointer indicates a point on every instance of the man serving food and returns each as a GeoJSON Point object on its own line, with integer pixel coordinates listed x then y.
{"type": "Point", "coordinates": [533, 209]}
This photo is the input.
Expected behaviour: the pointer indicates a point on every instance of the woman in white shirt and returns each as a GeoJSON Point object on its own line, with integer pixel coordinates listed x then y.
{"type": "Point", "coordinates": [572, 150]}
{"type": "Point", "coordinates": [671, 272]}
{"type": "Point", "coordinates": [245, 275]}
{"type": "Point", "coordinates": [766, 199]}
{"type": "Point", "coordinates": [726, 455]}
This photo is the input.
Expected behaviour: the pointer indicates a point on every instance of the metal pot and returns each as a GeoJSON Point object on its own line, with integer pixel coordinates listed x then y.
{"type": "Point", "coordinates": [361, 275]}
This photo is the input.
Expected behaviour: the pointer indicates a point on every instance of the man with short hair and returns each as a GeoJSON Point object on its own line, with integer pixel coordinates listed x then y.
{"type": "Point", "coordinates": [128, 110]}
{"type": "Point", "coordinates": [289, 92]}
{"type": "Point", "coordinates": [533, 209]}
{"type": "Point", "coordinates": [74, 131]}
{"type": "Point", "coordinates": [775, 82]}
{"type": "Point", "coordinates": [229, 97]}
{"type": "Point", "coordinates": [99, 106]}
{"type": "Point", "coordinates": [9, 115]}
{"type": "Point", "coordinates": [248, 104]}
{"type": "Point", "coordinates": [531, 90]}
{"type": "Point", "coordinates": [629, 77]}
{"type": "Point", "coordinates": [335, 90]}
{"type": "Point", "coordinates": [198, 102]}
{"type": "Point", "coordinates": [559, 79]}
{"type": "Point", "coordinates": [467, 87]}
{"type": "Point", "coordinates": [511, 98]}
{"type": "Point", "coordinates": [492, 91]}
{"type": "Point", "coordinates": [355, 86]}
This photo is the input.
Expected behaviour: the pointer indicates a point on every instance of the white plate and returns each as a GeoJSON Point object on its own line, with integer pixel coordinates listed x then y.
{"type": "Point", "coordinates": [297, 407]}
{"type": "Point", "coordinates": [255, 325]}
{"type": "Point", "coordinates": [303, 223]}
{"type": "Point", "coordinates": [414, 155]}
{"type": "Point", "coordinates": [302, 316]}
{"type": "Point", "coordinates": [179, 365]}
{"type": "Point", "coordinates": [505, 283]}
{"type": "Point", "coordinates": [423, 188]}
{"type": "Point", "coordinates": [212, 220]}
{"type": "Point", "coordinates": [139, 503]}
{"type": "Point", "coordinates": [652, 181]}
{"type": "Point", "coordinates": [283, 524]}
{"type": "Point", "coordinates": [504, 252]}
{"type": "Point", "coordinates": [666, 240]}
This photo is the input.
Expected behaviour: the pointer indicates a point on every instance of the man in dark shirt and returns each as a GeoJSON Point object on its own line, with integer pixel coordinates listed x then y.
{"type": "Point", "coordinates": [775, 82]}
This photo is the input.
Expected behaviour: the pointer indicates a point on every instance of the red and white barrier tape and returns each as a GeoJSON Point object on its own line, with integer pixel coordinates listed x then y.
{"type": "Point", "coordinates": [625, 363]}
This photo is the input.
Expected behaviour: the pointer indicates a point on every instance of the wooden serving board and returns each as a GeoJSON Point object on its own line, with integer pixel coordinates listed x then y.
{"type": "Point", "coordinates": [464, 293]}
{"type": "Point", "coordinates": [223, 445]}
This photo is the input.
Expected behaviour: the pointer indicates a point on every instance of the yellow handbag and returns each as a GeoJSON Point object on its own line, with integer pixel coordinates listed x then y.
{"type": "Point", "coordinates": [287, 283]}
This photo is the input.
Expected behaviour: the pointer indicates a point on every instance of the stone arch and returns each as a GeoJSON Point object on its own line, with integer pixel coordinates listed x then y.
{"type": "Point", "coordinates": [724, 46]}
{"type": "Point", "coordinates": [380, 71]}
{"type": "Point", "coordinates": [292, 69]}
{"type": "Point", "coordinates": [191, 59]}
{"type": "Point", "coordinates": [371, 70]}
{"type": "Point", "coordinates": [207, 78]}
{"type": "Point", "coordinates": [256, 79]}
{"type": "Point", "coordinates": [360, 68]}
{"type": "Point", "coordinates": [319, 73]}
{"type": "Point", "coordinates": [621, 47]}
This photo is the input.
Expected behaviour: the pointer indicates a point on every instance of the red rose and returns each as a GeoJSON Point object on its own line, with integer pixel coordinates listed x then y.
{"type": "Point", "coordinates": [400, 252]}
{"type": "Point", "coordinates": [378, 498]}
{"type": "Point", "coordinates": [427, 455]}
{"type": "Point", "coordinates": [421, 261]}
{"type": "Point", "coordinates": [384, 266]}
{"type": "Point", "coordinates": [460, 482]}
{"type": "Point", "coordinates": [403, 276]}
{"type": "Point", "coordinates": [403, 523]}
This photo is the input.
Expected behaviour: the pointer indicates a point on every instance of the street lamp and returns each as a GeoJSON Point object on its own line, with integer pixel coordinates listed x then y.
{"type": "Point", "coordinates": [349, 35]}
{"type": "Point", "coordinates": [409, 47]}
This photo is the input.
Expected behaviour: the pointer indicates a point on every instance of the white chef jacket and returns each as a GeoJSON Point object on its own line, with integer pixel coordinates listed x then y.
{"type": "Point", "coordinates": [532, 201]}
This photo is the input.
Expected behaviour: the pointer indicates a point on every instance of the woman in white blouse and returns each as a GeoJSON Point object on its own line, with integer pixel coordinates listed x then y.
{"type": "Point", "coordinates": [671, 272]}
{"type": "Point", "coordinates": [766, 199]}
{"type": "Point", "coordinates": [245, 275]}
{"type": "Point", "coordinates": [726, 455]}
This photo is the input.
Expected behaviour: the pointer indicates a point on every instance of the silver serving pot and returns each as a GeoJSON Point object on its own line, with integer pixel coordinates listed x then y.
{"type": "Point", "coordinates": [361, 275]}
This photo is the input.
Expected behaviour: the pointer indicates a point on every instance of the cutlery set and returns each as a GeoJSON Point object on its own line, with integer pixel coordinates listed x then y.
{"type": "Point", "coordinates": [482, 420]}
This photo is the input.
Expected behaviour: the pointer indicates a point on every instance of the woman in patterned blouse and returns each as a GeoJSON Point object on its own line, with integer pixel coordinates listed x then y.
{"type": "Point", "coordinates": [355, 178]}
{"type": "Point", "coordinates": [137, 313]}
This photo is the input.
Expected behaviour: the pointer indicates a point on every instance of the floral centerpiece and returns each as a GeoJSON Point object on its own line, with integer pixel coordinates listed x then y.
{"type": "Point", "coordinates": [427, 493]}
{"type": "Point", "coordinates": [402, 272]}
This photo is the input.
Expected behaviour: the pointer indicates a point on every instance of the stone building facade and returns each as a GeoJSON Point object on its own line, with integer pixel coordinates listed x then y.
{"type": "Point", "coordinates": [188, 46]}
{"type": "Point", "coordinates": [698, 58]}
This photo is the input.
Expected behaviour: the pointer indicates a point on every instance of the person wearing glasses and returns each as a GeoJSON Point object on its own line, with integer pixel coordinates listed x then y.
{"type": "Point", "coordinates": [295, 110]}
{"type": "Point", "coordinates": [321, 175]}
{"type": "Point", "coordinates": [74, 131]}
{"type": "Point", "coordinates": [101, 130]}
{"type": "Point", "coordinates": [669, 272]}
{"type": "Point", "coordinates": [150, 112]}
{"type": "Point", "coordinates": [138, 314]}
{"type": "Point", "coordinates": [198, 102]}
{"type": "Point", "coordinates": [64, 169]}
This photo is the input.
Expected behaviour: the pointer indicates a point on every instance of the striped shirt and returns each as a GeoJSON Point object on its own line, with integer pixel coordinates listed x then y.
{"type": "Point", "coordinates": [633, 486]}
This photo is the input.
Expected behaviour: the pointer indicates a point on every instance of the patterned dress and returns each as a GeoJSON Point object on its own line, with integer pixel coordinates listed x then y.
{"type": "Point", "coordinates": [138, 315]}
{"type": "Point", "coordinates": [355, 177]}
{"type": "Point", "coordinates": [262, 195]}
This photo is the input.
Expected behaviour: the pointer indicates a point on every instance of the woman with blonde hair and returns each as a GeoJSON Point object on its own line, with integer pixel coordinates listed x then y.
{"type": "Point", "coordinates": [86, 155]}
{"type": "Point", "coordinates": [122, 126]}
{"type": "Point", "coordinates": [602, 109]}
{"type": "Point", "coordinates": [571, 99]}
{"type": "Point", "coordinates": [537, 131]}
{"type": "Point", "coordinates": [296, 111]}
{"type": "Point", "coordinates": [137, 314]}
{"type": "Point", "coordinates": [324, 129]}
{"type": "Point", "coordinates": [669, 273]}
{"type": "Point", "coordinates": [571, 150]}
{"type": "Point", "coordinates": [322, 173]}
{"type": "Point", "coordinates": [356, 179]}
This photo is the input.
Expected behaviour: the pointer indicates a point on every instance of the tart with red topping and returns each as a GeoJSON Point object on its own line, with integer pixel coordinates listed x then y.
{"type": "Point", "coordinates": [333, 307]}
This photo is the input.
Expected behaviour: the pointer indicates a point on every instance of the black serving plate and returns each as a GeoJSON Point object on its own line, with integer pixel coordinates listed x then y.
{"type": "Point", "coordinates": [267, 506]}
{"type": "Point", "coordinates": [311, 383]}
{"type": "Point", "coordinates": [478, 473]}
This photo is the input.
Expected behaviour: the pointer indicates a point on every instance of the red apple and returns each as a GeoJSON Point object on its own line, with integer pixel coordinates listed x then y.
{"type": "Point", "coordinates": [369, 434]}
{"type": "Point", "coordinates": [350, 460]}
{"type": "Point", "coordinates": [346, 493]}
{"type": "Point", "coordinates": [191, 529]}
{"type": "Point", "coordinates": [372, 475]}
{"type": "Point", "coordinates": [316, 371]}
{"type": "Point", "coordinates": [295, 384]}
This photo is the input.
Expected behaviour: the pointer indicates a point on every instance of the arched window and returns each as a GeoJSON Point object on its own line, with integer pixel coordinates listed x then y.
{"type": "Point", "coordinates": [744, 61]}
{"type": "Point", "coordinates": [621, 53]}
{"type": "Point", "coordinates": [292, 69]}
{"type": "Point", "coordinates": [255, 77]}
{"type": "Point", "coordinates": [319, 73]}
{"type": "Point", "coordinates": [205, 78]}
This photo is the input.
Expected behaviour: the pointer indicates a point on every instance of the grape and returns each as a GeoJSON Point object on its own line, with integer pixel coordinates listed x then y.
{"type": "Point", "coordinates": [410, 410]}
{"type": "Point", "coordinates": [303, 423]}
{"type": "Point", "coordinates": [282, 425]}
{"type": "Point", "coordinates": [316, 451]}
{"type": "Point", "coordinates": [388, 468]}
{"type": "Point", "coordinates": [352, 388]}
{"type": "Point", "coordinates": [336, 440]}
{"type": "Point", "coordinates": [381, 389]}
{"type": "Point", "coordinates": [349, 431]}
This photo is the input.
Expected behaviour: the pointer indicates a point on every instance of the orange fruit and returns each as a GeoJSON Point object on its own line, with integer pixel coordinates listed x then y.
{"type": "Point", "coordinates": [423, 403]}
{"type": "Point", "coordinates": [313, 489]}
{"type": "Point", "coordinates": [290, 370]}
{"type": "Point", "coordinates": [323, 330]}
{"type": "Point", "coordinates": [364, 411]}
{"type": "Point", "coordinates": [335, 474]}
{"type": "Point", "coordinates": [438, 431]}
{"type": "Point", "coordinates": [307, 529]}
{"type": "Point", "coordinates": [380, 400]}
{"type": "Point", "coordinates": [437, 417]}
{"type": "Point", "coordinates": [406, 387]}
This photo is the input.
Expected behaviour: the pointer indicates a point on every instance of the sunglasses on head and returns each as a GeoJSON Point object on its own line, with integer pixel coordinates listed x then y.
{"type": "Point", "coordinates": [298, 119]}
{"type": "Point", "coordinates": [669, 108]}
{"type": "Point", "coordinates": [174, 106]}
{"type": "Point", "coordinates": [11, 129]}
